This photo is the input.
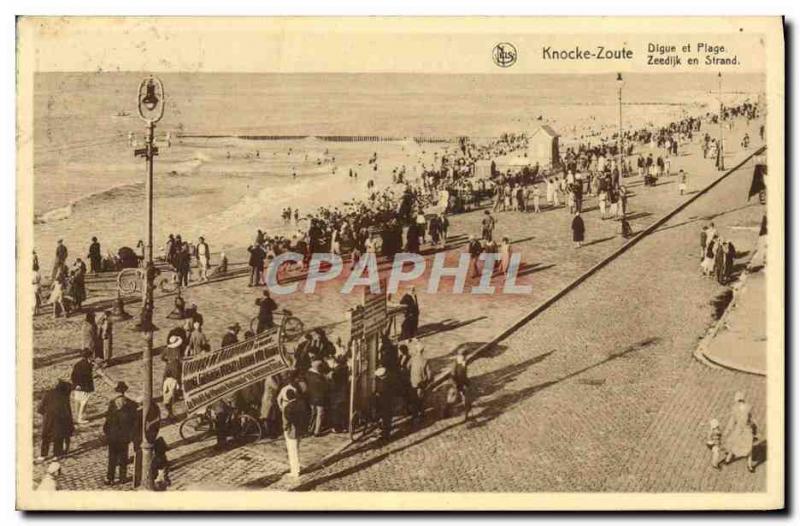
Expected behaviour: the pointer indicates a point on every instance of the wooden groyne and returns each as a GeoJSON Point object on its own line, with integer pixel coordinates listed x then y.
{"type": "Point", "coordinates": [328, 138]}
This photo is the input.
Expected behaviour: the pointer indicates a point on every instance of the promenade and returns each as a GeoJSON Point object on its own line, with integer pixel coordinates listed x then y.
{"type": "Point", "coordinates": [598, 393]}
{"type": "Point", "coordinates": [575, 400]}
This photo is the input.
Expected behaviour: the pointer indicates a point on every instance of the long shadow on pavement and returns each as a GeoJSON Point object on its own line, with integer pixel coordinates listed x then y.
{"type": "Point", "coordinates": [429, 329]}
{"type": "Point", "coordinates": [530, 269]}
{"type": "Point", "coordinates": [494, 381]}
{"type": "Point", "coordinates": [56, 358]}
{"type": "Point", "coordinates": [311, 484]}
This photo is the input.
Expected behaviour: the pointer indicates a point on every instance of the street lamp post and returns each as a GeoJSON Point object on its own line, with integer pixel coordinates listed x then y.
{"type": "Point", "coordinates": [151, 108]}
{"type": "Point", "coordinates": [620, 84]}
{"type": "Point", "coordinates": [720, 150]}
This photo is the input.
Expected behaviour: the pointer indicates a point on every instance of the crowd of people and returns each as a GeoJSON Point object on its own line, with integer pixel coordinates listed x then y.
{"type": "Point", "coordinates": [312, 398]}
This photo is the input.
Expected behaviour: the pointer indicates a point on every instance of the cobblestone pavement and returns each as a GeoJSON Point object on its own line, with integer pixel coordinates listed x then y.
{"type": "Point", "coordinates": [549, 262]}
{"type": "Point", "coordinates": [599, 393]}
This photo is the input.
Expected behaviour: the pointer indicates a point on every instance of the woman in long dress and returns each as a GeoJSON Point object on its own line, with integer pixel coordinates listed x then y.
{"type": "Point", "coordinates": [708, 261]}
{"type": "Point", "coordinates": [335, 246]}
{"type": "Point", "coordinates": [57, 299]}
{"type": "Point", "coordinates": [578, 230]}
{"type": "Point", "coordinates": [602, 199]}
{"type": "Point", "coordinates": [556, 190]}
{"type": "Point", "coordinates": [505, 255]}
{"type": "Point", "coordinates": [719, 262]}
{"type": "Point", "coordinates": [740, 432]}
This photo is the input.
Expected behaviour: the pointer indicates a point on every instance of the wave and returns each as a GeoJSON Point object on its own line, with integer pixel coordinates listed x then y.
{"type": "Point", "coordinates": [64, 212]}
{"type": "Point", "coordinates": [175, 168]}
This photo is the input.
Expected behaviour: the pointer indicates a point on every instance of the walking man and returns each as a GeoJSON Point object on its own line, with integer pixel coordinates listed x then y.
{"type": "Point", "coordinates": [82, 385]}
{"type": "Point", "coordinates": [266, 306]}
{"type": "Point", "coordinates": [487, 226]}
{"type": "Point", "coordinates": [119, 428]}
{"type": "Point", "coordinates": [95, 256]}
{"type": "Point", "coordinates": [61, 258]}
{"type": "Point", "coordinates": [57, 425]}
{"type": "Point", "coordinates": [203, 254]}
{"type": "Point", "coordinates": [411, 319]}
{"type": "Point", "coordinates": [318, 391]}
{"type": "Point", "coordinates": [295, 422]}
{"type": "Point", "coordinates": [256, 262]}
{"type": "Point", "coordinates": [419, 375]}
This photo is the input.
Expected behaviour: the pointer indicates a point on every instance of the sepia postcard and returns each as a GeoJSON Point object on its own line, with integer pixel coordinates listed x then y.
{"type": "Point", "coordinates": [398, 263]}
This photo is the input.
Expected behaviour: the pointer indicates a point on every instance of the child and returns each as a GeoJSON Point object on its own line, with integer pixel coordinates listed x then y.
{"type": "Point", "coordinates": [222, 268]}
{"type": "Point", "coordinates": [160, 465]}
{"type": "Point", "coordinates": [682, 184]}
{"type": "Point", "coordinates": [460, 386]}
{"type": "Point", "coordinates": [625, 228]}
{"type": "Point", "coordinates": [714, 443]}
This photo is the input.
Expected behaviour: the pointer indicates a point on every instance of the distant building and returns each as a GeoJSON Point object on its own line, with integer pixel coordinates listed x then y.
{"type": "Point", "coordinates": [543, 147]}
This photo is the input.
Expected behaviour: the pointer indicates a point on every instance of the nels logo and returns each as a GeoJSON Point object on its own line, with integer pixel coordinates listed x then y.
{"type": "Point", "coordinates": [504, 54]}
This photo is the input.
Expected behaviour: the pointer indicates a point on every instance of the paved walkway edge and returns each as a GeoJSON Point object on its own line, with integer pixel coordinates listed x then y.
{"type": "Point", "coordinates": [701, 351]}
{"type": "Point", "coordinates": [443, 376]}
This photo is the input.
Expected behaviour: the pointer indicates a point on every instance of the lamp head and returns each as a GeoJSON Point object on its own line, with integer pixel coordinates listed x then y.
{"type": "Point", "coordinates": [150, 100]}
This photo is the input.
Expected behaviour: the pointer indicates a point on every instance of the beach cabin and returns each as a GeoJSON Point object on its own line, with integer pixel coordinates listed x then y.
{"type": "Point", "coordinates": [483, 169]}
{"type": "Point", "coordinates": [543, 147]}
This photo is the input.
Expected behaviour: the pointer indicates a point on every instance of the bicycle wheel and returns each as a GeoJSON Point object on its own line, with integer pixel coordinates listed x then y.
{"type": "Point", "coordinates": [195, 427]}
{"type": "Point", "coordinates": [129, 280]}
{"type": "Point", "coordinates": [249, 429]}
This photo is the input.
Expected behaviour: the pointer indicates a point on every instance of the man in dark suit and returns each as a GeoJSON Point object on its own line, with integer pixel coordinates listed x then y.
{"type": "Point", "coordinates": [61, 258]}
{"type": "Point", "coordinates": [83, 384]}
{"type": "Point", "coordinates": [411, 319]}
{"type": "Point", "coordinates": [231, 337]}
{"type": "Point", "coordinates": [256, 262]}
{"type": "Point", "coordinates": [183, 262]}
{"type": "Point", "coordinates": [317, 394]}
{"type": "Point", "coordinates": [266, 306]}
{"type": "Point", "coordinates": [95, 257]}
{"type": "Point", "coordinates": [119, 428]}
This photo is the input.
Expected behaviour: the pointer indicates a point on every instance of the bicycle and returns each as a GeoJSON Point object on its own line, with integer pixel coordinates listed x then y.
{"type": "Point", "coordinates": [201, 425]}
{"type": "Point", "coordinates": [129, 280]}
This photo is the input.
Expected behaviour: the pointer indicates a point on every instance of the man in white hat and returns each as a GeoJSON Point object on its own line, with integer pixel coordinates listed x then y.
{"type": "Point", "coordinates": [50, 480]}
{"type": "Point", "coordinates": [295, 422]}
